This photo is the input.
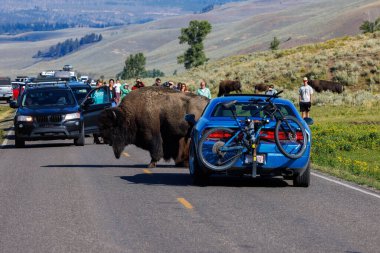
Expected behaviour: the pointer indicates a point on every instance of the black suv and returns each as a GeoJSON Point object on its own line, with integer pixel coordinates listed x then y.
{"type": "Point", "coordinates": [51, 112]}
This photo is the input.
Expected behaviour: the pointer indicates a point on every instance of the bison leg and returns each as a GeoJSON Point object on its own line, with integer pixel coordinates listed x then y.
{"type": "Point", "coordinates": [155, 151]}
{"type": "Point", "coordinates": [182, 159]}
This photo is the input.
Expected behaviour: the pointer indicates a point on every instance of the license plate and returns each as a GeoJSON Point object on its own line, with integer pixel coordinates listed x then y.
{"type": "Point", "coordinates": [260, 158]}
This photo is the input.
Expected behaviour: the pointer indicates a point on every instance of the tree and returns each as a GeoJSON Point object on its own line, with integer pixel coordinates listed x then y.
{"type": "Point", "coordinates": [370, 27]}
{"type": "Point", "coordinates": [134, 66]}
{"type": "Point", "coordinates": [274, 44]}
{"type": "Point", "coordinates": [194, 35]}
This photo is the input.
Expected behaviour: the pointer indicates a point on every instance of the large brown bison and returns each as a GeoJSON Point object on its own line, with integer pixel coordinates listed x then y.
{"type": "Point", "coordinates": [152, 118]}
{"type": "Point", "coordinates": [227, 86]}
{"type": "Point", "coordinates": [322, 85]}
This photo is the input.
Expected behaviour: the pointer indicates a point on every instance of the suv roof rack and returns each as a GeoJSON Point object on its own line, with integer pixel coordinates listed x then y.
{"type": "Point", "coordinates": [47, 84]}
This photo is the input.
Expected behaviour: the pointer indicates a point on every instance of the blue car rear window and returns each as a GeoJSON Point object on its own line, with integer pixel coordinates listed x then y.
{"type": "Point", "coordinates": [246, 110]}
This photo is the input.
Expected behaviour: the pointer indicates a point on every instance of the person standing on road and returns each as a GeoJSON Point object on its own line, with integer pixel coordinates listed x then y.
{"type": "Point", "coordinates": [117, 87]}
{"type": "Point", "coordinates": [305, 93]}
{"type": "Point", "coordinates": [203, 90]}
{"type": "Point", "coordinates": [111, 84]}
{"type": "Point", "coordinates": [124, 90]}
{"type": "Point", "coordinates": [99, 83]}
{"type": "Point", "coordinates": [139, 84]}
{"type": "Point", "coordinates": [157, 82]}
{"type": "Point", "coordinates": [184, 88]}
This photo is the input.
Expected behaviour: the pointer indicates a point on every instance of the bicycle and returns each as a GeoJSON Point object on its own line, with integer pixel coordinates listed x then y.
{"type": "Point", "coordinates": [219, 148]}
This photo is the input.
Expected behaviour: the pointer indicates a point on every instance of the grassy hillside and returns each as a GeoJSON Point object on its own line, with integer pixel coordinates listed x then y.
{"type": "Point", "coordinates": [353, 61]}
{"type": "Point", "coordinates": [238, 28]}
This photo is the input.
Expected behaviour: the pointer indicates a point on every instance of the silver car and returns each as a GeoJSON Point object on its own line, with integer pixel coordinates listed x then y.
{"type": "Point", "coordinates": [6, 92]}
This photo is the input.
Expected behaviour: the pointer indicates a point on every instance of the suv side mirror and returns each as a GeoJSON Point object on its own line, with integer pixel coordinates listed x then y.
{"type": "Point", "coordinates": [13, 104]}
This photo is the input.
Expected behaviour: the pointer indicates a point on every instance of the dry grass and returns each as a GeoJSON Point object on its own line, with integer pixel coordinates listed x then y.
{"type": "Point", "coordinates": [347, 60]}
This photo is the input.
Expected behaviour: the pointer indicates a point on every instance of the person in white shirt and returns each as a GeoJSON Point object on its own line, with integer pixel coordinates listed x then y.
{"type": "Point", "coordinates": [203, 90]}
{"type": "Point", "coordinates": [271, 90]}
{"type": "Point", "coordinates": [305, 93]}
{"type": "Point", "coordinates": [117, 86]}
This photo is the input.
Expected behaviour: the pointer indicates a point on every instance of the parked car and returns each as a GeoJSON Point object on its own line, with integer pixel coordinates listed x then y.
{"type": "Point", "coordinates": [6, 92]}
{"type": "Point", "coordinates": [84, 79]}
{"type": "Point", "coordinates": [51, 112]}
{"type": "Point", "coordinates": [268, 159]}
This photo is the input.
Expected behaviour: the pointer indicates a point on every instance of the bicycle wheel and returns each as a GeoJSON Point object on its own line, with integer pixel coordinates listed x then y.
{"type": "Point", "coordinates": [213, 151]}
{"type": "Point", "coordinates": [290, 136]}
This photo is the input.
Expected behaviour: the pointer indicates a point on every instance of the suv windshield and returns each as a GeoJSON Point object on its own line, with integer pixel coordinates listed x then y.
{"type": "Point", "coordinates": [48, 98]}
{"type": "Point", "coordinates": [246, 109]}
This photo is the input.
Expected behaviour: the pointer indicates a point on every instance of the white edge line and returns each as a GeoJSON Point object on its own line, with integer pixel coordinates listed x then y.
{"type": "Point", "coordinates": [347, 185]}
{"type": "Point", "coordinates": [5, 141]}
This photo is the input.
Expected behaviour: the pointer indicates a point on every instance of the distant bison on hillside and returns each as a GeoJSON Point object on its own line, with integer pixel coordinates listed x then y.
{"type": "Point", "coordinates": [260, 87]}
{"type": "Point", "coordinates": [227, 86]}
{"type": "Point", "coordinates": [322, 85]}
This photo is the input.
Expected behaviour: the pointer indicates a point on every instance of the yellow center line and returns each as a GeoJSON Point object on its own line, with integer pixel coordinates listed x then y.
{"type": "Point", "coordinates": [185, 203]}
{"type": "Point", "coordinates": [149, 172]}
{"type": "Point", "coordinates": [126, 154]}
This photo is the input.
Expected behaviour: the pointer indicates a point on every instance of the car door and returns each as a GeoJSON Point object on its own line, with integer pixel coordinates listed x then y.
{"type": "Point", "coordinates": [101, 98]}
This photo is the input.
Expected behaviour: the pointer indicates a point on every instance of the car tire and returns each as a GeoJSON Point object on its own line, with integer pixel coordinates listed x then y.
{"type": "Point", "coordinates": [81, 140]}
{"type": "Point", "coordinates": [19, 143]}
{"type": "Point", "coordinates": [302, 180]}
{"type": "Point", "coordinates": [199, 174]}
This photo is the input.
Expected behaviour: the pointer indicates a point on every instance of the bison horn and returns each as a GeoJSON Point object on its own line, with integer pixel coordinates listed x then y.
{"type": "Point", "coordinates": [114, 114]}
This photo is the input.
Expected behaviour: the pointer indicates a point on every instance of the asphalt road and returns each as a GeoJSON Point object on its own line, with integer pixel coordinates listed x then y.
{"type": "Point", "coordinates": [56, 197]}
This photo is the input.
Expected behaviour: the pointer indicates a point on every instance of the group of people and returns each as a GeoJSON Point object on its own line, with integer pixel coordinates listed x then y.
{"type": "Point", "coordinates": [118, 91]}
{"type": "Point", "coordinates": [182, 87]}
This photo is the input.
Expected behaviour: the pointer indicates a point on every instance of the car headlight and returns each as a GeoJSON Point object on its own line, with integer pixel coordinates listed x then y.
{"type": "Point", "coordinates": [25, 118]}
{"type": "Point", "coordinates": [71, 116]}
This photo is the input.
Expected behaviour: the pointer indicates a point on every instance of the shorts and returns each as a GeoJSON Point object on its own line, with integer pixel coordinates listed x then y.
{"type": "Point", "coordinates": [305, 106]}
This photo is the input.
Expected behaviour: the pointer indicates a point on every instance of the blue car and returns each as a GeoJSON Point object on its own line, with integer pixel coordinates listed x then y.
{"type": "Point", "coordinates": [255, 135]}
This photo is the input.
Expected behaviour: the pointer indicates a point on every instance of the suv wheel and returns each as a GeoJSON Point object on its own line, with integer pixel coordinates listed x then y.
{"type": "Point", "coordinates": [19, 143]}
{"type": "Point", "coordinates": [80, 141]}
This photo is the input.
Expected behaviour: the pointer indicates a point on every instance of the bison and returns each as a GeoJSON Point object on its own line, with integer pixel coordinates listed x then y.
{"type": "Point", "coordinates": [227, 86]}
{"type": "Point", "coordinates": [322, 85]}
{"type": "Point", "coordinates": [152, 118]}
{"type": "Point", "coordinates": [261, 87]}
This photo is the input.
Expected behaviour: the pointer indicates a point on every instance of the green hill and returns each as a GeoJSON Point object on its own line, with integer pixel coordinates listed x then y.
{"type": "Point", "coordinates": [352, 61]}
